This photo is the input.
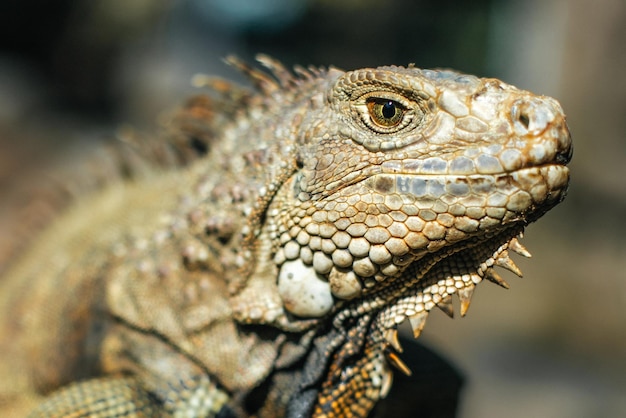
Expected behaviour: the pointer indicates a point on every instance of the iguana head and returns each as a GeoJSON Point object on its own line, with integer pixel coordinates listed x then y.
{"type": "Point", "coordinates": [371, 197]}
{"type": "Point", "coordinates": [393, 188]}
{"type": "Point", "coordinates": [414, 184]}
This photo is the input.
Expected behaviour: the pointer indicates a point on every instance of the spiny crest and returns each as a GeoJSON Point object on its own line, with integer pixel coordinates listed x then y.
{"type": "Point", "coordinates": [279, 78]}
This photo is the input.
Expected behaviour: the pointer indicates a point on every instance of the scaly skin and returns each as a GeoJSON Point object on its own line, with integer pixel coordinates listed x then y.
{"type": "Point", "coordinates": [268, 277]}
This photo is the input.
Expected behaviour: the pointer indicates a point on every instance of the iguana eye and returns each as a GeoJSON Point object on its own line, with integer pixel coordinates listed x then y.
{"type": "Point", "coordinates": [384, 112]}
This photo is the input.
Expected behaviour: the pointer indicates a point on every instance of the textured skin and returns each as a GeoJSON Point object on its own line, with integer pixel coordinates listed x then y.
{"type": "Point", "coordinates": [267, 276]}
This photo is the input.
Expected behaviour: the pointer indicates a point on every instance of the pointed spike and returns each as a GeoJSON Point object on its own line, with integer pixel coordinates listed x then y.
{"type": "Point", "coordinates": [505, 261]}
{"type": "Point", "coordinates": [316, 71]}
{"type": "Point", "coordinates": [302, 72]}
{"type": "Point", "coordinates": [514, 245]}
{"type": "Point", "coordinates": [417, 322]}
{"type": "Point", "coordinates": [385, 387]}
{"type": "Point", "coordinates": [261, 80]}
{"type": "Point", "coordinates": [202, 80]}
{"type": "Point", "coordinates": [494, 277]}
{"type": "Point", "coordinates": [446, 306]}
{"type": "Point", "coordinates": [279, 71]}
{"type": "Point", "coordinates": [465, 296]}
{"type": "Point", "coordinates": [398, 363]}
{"type": "Point", "coordinates": [391, 335]}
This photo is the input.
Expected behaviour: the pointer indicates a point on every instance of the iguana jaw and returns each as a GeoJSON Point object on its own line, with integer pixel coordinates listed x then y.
{"type": "Point", "coordinates": [433, 280]}
{"type": "Point", "coordinates": [411, 238]}
{"type": "Point", "coordinates": [436, 279]}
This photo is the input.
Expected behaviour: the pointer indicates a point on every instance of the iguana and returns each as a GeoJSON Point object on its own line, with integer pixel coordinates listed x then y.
{"type": "Point", "coordinates": [267, 275]}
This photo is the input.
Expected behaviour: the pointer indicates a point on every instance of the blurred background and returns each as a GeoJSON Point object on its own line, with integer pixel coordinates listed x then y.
{"type": "Point", "coordinates": [72, 72]}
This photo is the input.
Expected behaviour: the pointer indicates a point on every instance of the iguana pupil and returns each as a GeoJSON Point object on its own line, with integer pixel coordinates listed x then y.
{"type": "Point", "coordinates": [384, 112]}
{"type": "Point", "coordinates": [389, 109]}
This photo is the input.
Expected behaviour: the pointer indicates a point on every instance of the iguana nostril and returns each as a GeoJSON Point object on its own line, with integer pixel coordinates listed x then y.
{"type": "Point", "coordinates": [524, 119]}
{"type": "Point", "coordinates": [532, 116]}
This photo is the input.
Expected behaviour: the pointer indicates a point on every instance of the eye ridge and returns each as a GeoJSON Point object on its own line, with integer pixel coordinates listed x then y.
{"type": "Point", "coordinates": [386, 113]}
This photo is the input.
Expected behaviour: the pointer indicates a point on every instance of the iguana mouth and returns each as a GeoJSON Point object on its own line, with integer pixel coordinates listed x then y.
{"type": "Point", "coordinates": [510, 195]}
{"type": "Point", "coordinates": [436, 186]}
